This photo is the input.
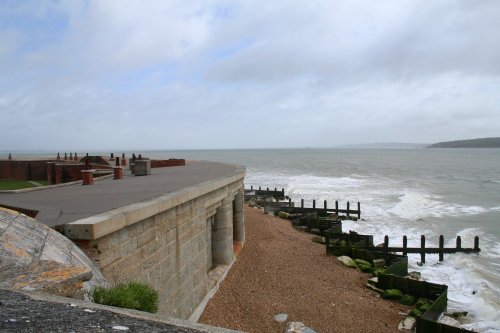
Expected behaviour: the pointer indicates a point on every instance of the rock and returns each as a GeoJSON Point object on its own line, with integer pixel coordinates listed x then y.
{"type": "Point", "coordinates": [298, 327]}
{"type": "Point", "coordinates": [407, 324]}
{"type": "Point", "coordinates": [282, 317]}
{"type": "Point", "coordinates": [379, 263]}
{"type": "Point", "coordinates": [449, 321]}
{"type": "Point", "coordinates": [415, 276]}
{"type": "Point", "coordinates": [283, 215]}
{"type": "Point", "coordinates": [415, 312]}
{"type": "Point", "coordinates": [347, 261]}
{"type": "Point", "coordinates": [300, 228]}
{"type": "Point", "coordinates": [423, 304]}
{"type": "Point", "coordinates": [362, 262]}
{"type": "Point", "coordinates": [318, 239]}
{"type": "Point", "coordinates": [372, 287]}
{"type": "Point", "coordinates": [373, 280]}
{"type": "Point", "coordinates": [38, 258]}
{"type": "Point", "coordinates": [366, 268]}
{"type": "Point", "coordinates": [407, 299]}
{"type": "Point", "coordinates": [315, 231]}
{"type": "Point", "coordinates": [457, 314]}
{"type": "Point", "coordinates": [392, 294]}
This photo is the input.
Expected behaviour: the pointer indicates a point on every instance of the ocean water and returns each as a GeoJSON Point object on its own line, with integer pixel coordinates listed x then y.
{"type": "Point", "coordinates": [414, 192]}
{"type": "Point", "coordinates": [431, 192]}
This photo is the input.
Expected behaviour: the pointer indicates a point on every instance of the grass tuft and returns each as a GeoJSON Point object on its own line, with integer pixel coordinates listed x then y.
{"type": "Point", "coordinates": [129, 295]}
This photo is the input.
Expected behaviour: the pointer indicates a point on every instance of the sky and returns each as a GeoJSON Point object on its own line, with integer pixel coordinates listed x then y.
{"type": "Point", "coordinates": [209, 74]}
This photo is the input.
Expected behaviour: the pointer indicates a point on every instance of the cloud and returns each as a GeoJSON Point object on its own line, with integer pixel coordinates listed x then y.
{"type": "Point", "coordinates": [203, 74]}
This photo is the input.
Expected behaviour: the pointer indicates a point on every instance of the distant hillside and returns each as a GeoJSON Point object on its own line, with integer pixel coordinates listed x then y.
{"type": "Point", "coordinates": [473, 143]}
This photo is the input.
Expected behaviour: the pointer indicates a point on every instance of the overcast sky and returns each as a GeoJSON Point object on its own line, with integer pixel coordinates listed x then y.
{"type": "Point", "coordinates": [240, 74]}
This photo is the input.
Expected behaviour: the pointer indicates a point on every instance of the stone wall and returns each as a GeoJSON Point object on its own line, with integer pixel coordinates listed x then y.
{"type": "Point", "coordinates": [172, 241]}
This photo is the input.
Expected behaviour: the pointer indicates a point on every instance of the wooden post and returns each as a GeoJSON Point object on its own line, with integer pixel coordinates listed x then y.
{"type": "Point", "coordinates": [386, 243]}
{"type": "Point", "coordinates": [259, 188]}
{"type": "Point", "coordinates": [251, 187]}
{"type": "Point", "coordinates": [324, 204]}
{"type": "Point", "coordinates": [10, 156]}
{"type": "Point", "coordinates": [275, 189]}
{"type": "Point", "coordinates": [405, 245]}
{"type": "Point", "coordinates": [58, 157]}
{"type": "Point", "coordinates": [422, 249]}
{"type": "Point", "coordinates": [314, 204]}
{"type": "Point", "coordinates": [301, 203]}
{"type": "Point", "coordinates": [290, 203]}
{"type": "Point", "coordinates": [337, 207]}
{"type": "Point", "coordinates": [476, 244]}
{"type": "Point", "coordinates": [283, 192]}
{"type": "Point", "coordinates": [459, 242]}
{"type": "Point", "coordinates": [267, 189]}
{"type": "Point", "coordinates": [359, 210]}
{"type": "Point", "coordinates": [348, 212]}
{"type": "Point", "coordinates": [441, 246]}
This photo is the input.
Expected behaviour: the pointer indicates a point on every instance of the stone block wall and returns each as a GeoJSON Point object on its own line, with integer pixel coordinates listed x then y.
{"type": "Point", "coordinates": [171, 243]}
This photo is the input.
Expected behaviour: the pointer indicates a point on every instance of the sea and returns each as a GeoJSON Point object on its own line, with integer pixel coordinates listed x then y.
{"type": "Point", "coordinates": [412, 192]}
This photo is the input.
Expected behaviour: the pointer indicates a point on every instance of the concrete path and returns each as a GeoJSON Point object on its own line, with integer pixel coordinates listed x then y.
{"type": "Point", "coordinates": [66, 204]}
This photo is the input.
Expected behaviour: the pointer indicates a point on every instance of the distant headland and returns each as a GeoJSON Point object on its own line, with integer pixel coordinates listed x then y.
{"type": "Point", "coordinates": [473, 143]}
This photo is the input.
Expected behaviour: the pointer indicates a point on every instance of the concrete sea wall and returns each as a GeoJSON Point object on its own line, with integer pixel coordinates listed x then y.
{"type": "Point", "coordinates": [175, 241]}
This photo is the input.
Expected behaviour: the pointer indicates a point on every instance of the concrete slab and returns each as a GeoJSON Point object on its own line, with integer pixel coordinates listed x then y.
{"type": "Point", "coordinates": [62, 205]}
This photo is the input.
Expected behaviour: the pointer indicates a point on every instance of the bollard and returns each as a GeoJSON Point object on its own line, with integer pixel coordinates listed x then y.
{"type": "Point", "coordinates": [337, 208]}
{"type": "Point", "coordinates": [301, 203]}
{"type": "Point", "coordinates": [65, 156]}
{"type": "Point", "coordinates": [117, 161]}
{"type": "Point", "coordinates": [76, 157]}
{"type": "Point", "coordinates": [58, 157]}
{"type": "Point", "coordinates": [405, 245]}
{"type": "Point", "coordinates": [359, 210]}
{"type": "Point", "coordinates": [386, 243]}
{"type": "Point", "coordinates": [348, 210]}
{"type": "Point", "coordinates": [87, 177]}
{"type": "Point", "coordinates": [117, 172]}
{"type": "Point", "coordinates": [10, 156]}
{"type": "Point", "coordinates": [459, 242]}
{"type": "Point", "coordinates": [124, 160]}
{"type": "Point", "coordinates": [314, 204]}
{"type": "Point", "coordinates": [71, 156]}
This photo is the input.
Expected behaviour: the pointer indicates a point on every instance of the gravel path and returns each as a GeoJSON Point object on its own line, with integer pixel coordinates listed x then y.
{"type": "Point", "coordinates": [280, 270]}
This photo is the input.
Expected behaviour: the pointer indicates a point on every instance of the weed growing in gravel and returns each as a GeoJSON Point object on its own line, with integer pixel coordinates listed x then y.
{"type": "Point", "coordinates": [130, 295]}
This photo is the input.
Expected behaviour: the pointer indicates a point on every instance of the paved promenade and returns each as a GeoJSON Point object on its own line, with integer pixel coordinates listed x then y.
{"type": "Point", "coordinates": [61, 205]}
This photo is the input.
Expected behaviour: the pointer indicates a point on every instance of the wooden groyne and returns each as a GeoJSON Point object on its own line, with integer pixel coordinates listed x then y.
{"type": "Point", "coordinates": [293, 208]}
{"type": "Point", "coordinates": [423, 250]}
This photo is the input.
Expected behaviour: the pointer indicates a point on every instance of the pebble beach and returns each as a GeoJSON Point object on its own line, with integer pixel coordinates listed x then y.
{"type": "Point", "coordinates": [280, 271]}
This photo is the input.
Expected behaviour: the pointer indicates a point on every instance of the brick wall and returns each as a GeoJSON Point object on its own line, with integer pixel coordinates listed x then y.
{"type": "Point", "coordinates": [23, 170]}
{"type": "Point", "coordinates": [167, 163]}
